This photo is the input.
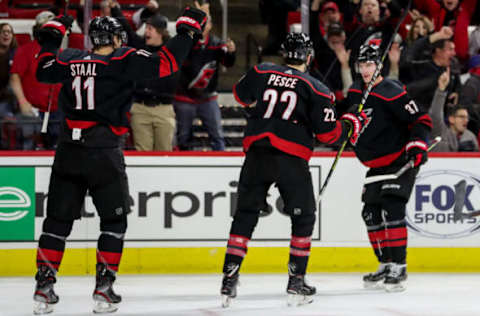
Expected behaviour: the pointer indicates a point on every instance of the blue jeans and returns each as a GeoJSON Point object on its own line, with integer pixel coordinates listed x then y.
{"type": "Point", "coordinates": [209, 113]}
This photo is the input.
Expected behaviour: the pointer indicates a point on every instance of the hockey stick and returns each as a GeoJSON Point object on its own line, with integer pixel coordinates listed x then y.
{"type": "Point", "coordinates": [402, 170]}
{"type": "Point", "coordinates": [63, 45]}
{"type": "Point", "coordinates": [364, 98]}
{"type": "Point", "coordinates": [460, 193]}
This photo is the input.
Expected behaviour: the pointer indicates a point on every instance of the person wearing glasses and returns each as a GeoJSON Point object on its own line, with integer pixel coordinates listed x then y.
{"type": "Point", "coordinates": [455, 135]}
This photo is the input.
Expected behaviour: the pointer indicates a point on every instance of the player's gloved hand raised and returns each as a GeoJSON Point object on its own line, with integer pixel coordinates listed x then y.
{"type": "Point", "coordinates": [192, 21]}
{"type": "Point", "coordinates": [417, 152]}
{"type": "Point", "coordinates": [66, 20]}
{"type": "Point", "coordinates": [357, 121]}
{"type": "Point", "coordinates": [52, 32]}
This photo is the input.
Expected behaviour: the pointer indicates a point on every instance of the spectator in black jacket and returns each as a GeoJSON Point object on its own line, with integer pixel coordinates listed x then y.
{"type": "Point", "coordinates": [427, 72]}
{"type": "Point", "coordinates": [375, 20]}
{"type": "Point", "coordinates": [197, 89]}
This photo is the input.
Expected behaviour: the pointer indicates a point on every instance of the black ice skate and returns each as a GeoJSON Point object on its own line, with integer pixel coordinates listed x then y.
{"type": "Point", "coordinates": [394, 281]}
{"type": "Point", "coordinates": [374, 280]}
{"type": "Point", "coordinates": [299, 292]}
{"type": "Point", "coordinates": [44, 296]}
{"type": "Point", "coordinates": [105, 300]}
{"type": "Point", "coordinates": [229, 284]}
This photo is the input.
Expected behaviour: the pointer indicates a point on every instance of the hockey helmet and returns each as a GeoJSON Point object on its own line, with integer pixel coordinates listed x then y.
{"type": "Point", "coordinates": [297, 47]}
{"type": "Point", "coordinates": [369, 52]}
{"type": "Point", "coordinates": [102, 29]}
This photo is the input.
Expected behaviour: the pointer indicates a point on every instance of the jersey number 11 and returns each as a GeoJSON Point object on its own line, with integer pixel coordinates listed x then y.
{"type": "Point", "coordinates": [89, 86]}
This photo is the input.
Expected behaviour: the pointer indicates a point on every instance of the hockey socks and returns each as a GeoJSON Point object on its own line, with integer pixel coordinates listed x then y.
{"type": "Point", "coordinates": [236, 250]}
{"type": "Point", "coordinates": [109, 251]}
{"type": "Point", "coordinates": [299, 253]}
{"type": "Point", "coordinates": [389, 242]}
{"type": "Point", "coordinates": [50, 250]}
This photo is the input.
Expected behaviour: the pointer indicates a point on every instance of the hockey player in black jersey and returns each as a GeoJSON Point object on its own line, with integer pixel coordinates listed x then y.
{"type": "Point", "coordinates": [287, 108]}
{"type": "Point", "coordinates": [396, 133]}
{"type": "Point", "coordinates": [95, 98]}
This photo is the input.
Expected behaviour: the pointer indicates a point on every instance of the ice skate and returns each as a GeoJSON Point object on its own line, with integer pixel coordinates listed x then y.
{"type": "Point", "coordinates": [105, 300]}
{"type": "Point", "coordinates": [229, 285]}
{"type": "Point", "coordinates": [395, 279]}
{"type": "Point", "coordinates": [299, 292]}
{"type": "Point", "coordinates": [44, 296]}
{"type": "Point", "coordinates": [375, 280]}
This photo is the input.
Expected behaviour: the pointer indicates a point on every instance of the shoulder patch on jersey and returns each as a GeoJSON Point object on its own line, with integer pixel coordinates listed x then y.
{"type": "Point", "coordinates": [143, 52]}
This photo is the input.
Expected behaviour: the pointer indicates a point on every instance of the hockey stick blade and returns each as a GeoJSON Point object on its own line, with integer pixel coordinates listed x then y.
{"type": "Point", "coordinates": [391, 176]}
{"type": "Point", "coordinates": [469, 215]}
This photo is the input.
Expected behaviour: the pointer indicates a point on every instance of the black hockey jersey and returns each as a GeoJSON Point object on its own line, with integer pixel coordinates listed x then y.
{"type": "Point", "coordinates": [394, 120]}
{"type": "Point", "coordinates": [97, 90]}
{"type": "Point", "coordinates": [199, 76]}
{"type": "Point", "coordinates": [288, 107]}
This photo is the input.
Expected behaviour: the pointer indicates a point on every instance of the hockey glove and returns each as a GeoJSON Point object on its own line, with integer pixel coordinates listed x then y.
{"type": "Point", "coordinates": [417, 152]}
{"type": "Point", "coordinates": [192, 20]}
{"type": "Point", "coordinates": [53, 31]}
{"type": "Point", "coordinates": [357, 121]}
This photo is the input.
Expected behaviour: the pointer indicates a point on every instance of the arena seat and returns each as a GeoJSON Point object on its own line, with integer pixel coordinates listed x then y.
{"type": "Point", "coordinates": [76, 40]}
{"type": "Point", "coordinates": [23, 38]}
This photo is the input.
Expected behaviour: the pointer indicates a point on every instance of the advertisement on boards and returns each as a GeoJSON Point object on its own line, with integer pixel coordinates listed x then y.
{"type": "Point", "coordinates": [17, 203]}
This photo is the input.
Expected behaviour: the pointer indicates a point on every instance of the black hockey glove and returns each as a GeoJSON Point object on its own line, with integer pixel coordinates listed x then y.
{"type": "Point", "coordinates": [417, 152]}
{"type": "Point", "coordinates": [53, 31]}
{"type": "Point", "coordinates": [357, 121]}
{"type": "Point", "coordinates": [192, 20]}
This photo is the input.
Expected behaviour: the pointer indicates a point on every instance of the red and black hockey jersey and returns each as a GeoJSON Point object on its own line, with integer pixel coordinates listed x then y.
{"type": "Point", "coordinates": [97, 90]}
{"type": "Point", "coordinates": [199, 76]}
{"type": "Point", "coordinates": [289, 108]}
{"type": "Point", "coordinates": [394, 120]}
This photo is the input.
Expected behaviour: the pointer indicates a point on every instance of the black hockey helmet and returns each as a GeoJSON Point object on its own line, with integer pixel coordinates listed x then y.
{"type": "Point", "coordinates": [102, 29]}
{"type": "Point", "coordinates": [369, 52]}
{"type": "Point", "coordinates": [296, 48]}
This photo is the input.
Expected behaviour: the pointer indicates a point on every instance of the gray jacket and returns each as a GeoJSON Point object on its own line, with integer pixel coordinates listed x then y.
{"type": "Point", "coordinates": [449, 142]}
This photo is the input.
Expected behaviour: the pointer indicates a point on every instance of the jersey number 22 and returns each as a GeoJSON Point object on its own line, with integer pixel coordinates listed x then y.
{"type": "Point", "coordinates": [271, 96]}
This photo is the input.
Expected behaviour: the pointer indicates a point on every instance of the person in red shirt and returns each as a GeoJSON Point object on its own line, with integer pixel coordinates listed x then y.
{"type": "Point", "coordinates": [33, 96]}
{"type": "Point", "coordinates": [454, 13]}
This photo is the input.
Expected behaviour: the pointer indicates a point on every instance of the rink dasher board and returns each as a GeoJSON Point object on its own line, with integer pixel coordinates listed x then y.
{"type": "Point", "coordinates": [182, 206]}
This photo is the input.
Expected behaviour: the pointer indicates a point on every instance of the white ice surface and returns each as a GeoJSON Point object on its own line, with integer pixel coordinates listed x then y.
{"type": "Point", "coordinates": [259, 294]}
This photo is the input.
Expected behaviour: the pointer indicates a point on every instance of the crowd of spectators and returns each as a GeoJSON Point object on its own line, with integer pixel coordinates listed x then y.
{"type": "Point", "coordinates": [436, 55]}
{"type": "Point", "coordinates": [432, 55]}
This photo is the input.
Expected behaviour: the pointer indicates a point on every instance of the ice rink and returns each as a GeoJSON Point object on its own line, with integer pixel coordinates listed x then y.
{"type": "Point", "coordinates": [259, 294]}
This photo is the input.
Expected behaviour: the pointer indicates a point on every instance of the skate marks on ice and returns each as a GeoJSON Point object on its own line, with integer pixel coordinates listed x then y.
{"type": "Point", "coordinates": [258, 294]}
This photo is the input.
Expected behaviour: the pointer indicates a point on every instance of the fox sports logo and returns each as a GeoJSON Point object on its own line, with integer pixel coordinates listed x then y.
{"type": "Point", "coordinates": [430, 208]}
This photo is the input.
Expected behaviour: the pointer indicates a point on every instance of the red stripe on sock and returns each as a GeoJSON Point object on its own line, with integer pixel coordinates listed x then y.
{"type": "Point", "coordinates": [237, 240]}
{"type": "Point", "coordinates": [299, 253]}
{"type": "Point", "coordinates": [398, 243]}
{"type": "Point", "coordinates": [301, 242]}
{"type": "Point", "coordinates": [397, 233]}
{"type": "Point", "coordinates": [377, 236]}
{"type": "Point", "coordinates": [236, 252]}
{"type": "Point", "coordinates": [49, 257]}
{"type": "Point", "coordinates": [111, 259]}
